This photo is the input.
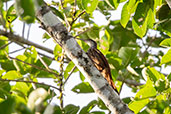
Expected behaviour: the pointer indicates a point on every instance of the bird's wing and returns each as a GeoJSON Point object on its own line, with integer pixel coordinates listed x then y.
{"type": "Point", "coordinates": [102, 65]}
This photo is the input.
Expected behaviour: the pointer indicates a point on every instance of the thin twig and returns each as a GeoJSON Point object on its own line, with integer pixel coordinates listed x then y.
{"type": "Point", "coordinates": [82, 32]}
{"type": "Point", "coordinates": [16, 50]}
{"type": "Point", "coordinates": [32, 65]}
{"type": "Point", "coordinates": [23, 30]}
{"type": "Point", "coordinates": [61, 81]}
{"type": "Point", "coordinates": [129, 82]}
{"type": "Point", "coordinates": [70, 74]}
{"type": "Point", "coordinates": [5, 45]}
{"type": "Point", "coordinates": [43, 62]}
{"type": "Point", "coordinates": [21, 40]}
{"type": "Point", "coordinates": [30, 82]}
{"type": "Point", "coordinates": [148, 46]}
{"type": "Point", "coordinates": [28, 33]}
{"type": "Point", "coordinates": [65, 17]}
{"type": "Point", "coordinates": [77, 17]}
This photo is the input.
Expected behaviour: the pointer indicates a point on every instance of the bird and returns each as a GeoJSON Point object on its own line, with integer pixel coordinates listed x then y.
{"type": "Point", "coordinates": [100, 61]}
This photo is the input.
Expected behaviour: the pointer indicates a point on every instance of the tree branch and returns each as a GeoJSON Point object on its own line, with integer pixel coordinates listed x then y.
{"type": "Point", "coordinates": [18, 39]}
{"type": "Point", "coordinates": [129, 82]}
{"type": "Point", "coordinates": [59, 33]}
{"type": "Point", "coordinates": [30, 82]}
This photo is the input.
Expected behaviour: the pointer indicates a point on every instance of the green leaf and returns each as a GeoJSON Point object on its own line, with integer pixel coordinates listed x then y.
{"type": "Point", "coordinates": [166, 59]}
{"type": "Point", "coordinates": [101, 104]}
{"type": "Point", "coordinates": [126, 100]}
{"type": "Point", "coordinates": [139, 30]}
{"type": "Point", "coordinates": [154, 74]}
{"type": "Point", "coordinates": [20, 66]}
{"type": "Point", "coordinates": [57, 12]}
{"type": "Point", "coordinates": [7, 106]}
{"type": "Point", "coordinates": [114, 60]}
{"type": "Point", "coordinates": [150, 18]}
{"type": "Point", "coordinates": [82, 76]}
{"type": "Point", "coordinates": [11, 14]}
{"type": "Point", "coordinates": [69, 67]}
{"type": "Point", "coordinates": [127, 10]}
{"type": "Point", "coordinates": [93, 33]}
{"type": "Point", "coordinates": [165, 27]}
{"type": "Point", "coordinates": [5, 88]}
{"type": "Point", "coordinates": [83, 87]}
{"type": "Point", "coordinates": [40, 64]}
{"type": "Point", "coordinates": [8, 65]}
{"type": "Point", "coordinates": [147, 91]}
{"type": "Point", "coordinates": [57, 110]}
{"type": "Point", "coordinates": [31, 55]}
{"type": "Point", "coordinates": [162, 85]}
{"type": "Point", "coordinates": [23, 109]}
{"type": "Point", "coordinates": [166, 42]}
{"type": "Point", "coordinates": [46, 37]}
{"type": "Point", "coordinates": [25, 8]}
{"type": "Point", "coordinates": [89, 5]}
{"type": "Point", "coordinates": [125, 15]}
{"type": "Point", "coordinates": [121, 36]}
{"type": "Point", "coordinates": [163, 12]}
{"type": "Point", "coordinates": [127, 54]}
{"type": "Point", "coordinates": [71, 109]}
{"type": "Point", "coordinates": [88, 108]}
{"type": "Point", "coordinates": [116, 3]}
{"type": "Point", "coordinates": [5, 49]}
{"type": "Point", "coordinates": [57, 51]}
{"type": "Point", "coordinates": [137, 105]}
{"type": "Point", "coordinates": [11, 75]}
{"type": "Point", "coordinates": [142, 97]}
{"type": "Point", "coordinates": [44, 74]}
{"type": "Point", "coordinates": [21, 87]}
{"type": "Point", "coordinates": [1, 72]}
{"type": "Point", "coordinates": [169, 77]}
{"type": "Point", "coordinates": [140, 19]}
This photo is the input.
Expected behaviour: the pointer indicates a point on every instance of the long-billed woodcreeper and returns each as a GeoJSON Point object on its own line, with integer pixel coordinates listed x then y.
{"type": "Point", "coordinates": [100, 61]}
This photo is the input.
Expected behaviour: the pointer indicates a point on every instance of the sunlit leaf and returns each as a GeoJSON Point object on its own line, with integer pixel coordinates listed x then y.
{"type": "Point", "coordinates": [127, 10]}
{"type": "Point", "coordinates": [90, 5]}
{"type": "Point", "coordinates": [11, 14]}
{"type": "Point", "coordinates": [147, 91]}
{"type": "Point", "coordinates": [12, 75]}
{"type": "Point", "coordinates": [57, 51]}
{"type": "Point", "coordinates": [166, 58]}
{"type": "Point", "coordinates": [69, 67]}
{"type": "Point", "coordinates": [22, 87]}
{"type": "Point", "coordinates": [154, 74]}
{"type": "Point", "coordinates": [20, 66]}
{"type": "Point", "coordinates": [137, 105]}
{"type": "Point", "coordinates": [166, 42]}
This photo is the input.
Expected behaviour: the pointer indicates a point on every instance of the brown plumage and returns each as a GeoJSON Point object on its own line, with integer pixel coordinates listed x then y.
{"type": "Point", "coordinates": [100, 62]}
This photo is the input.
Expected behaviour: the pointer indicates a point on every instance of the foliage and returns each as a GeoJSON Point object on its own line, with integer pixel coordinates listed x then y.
{"type": "Point", "coordinates": [127, 43]}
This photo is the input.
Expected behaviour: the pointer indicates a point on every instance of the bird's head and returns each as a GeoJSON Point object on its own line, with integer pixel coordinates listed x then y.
{"type": "Point", "coordinates": [90, 42]}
